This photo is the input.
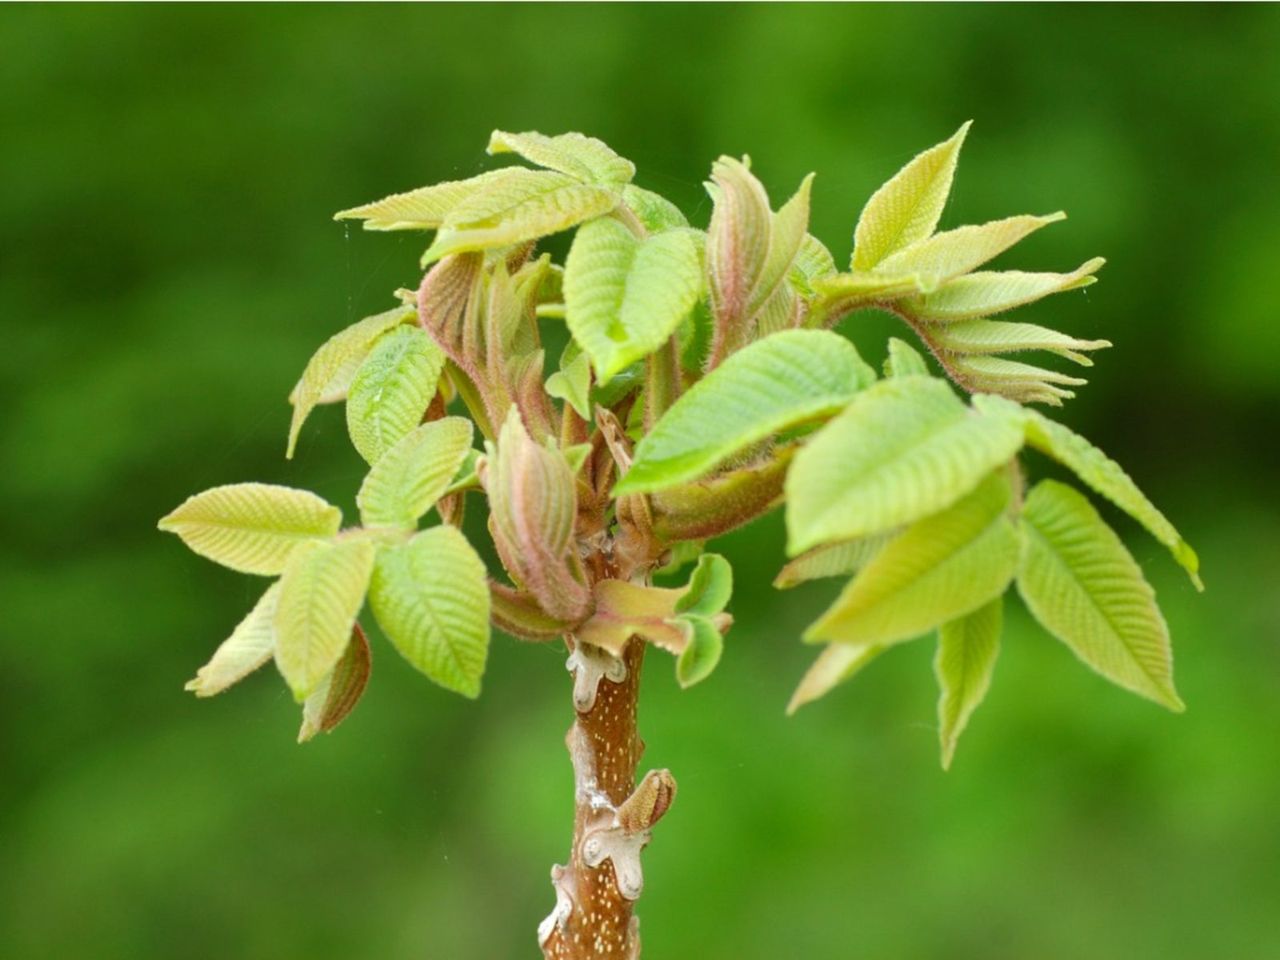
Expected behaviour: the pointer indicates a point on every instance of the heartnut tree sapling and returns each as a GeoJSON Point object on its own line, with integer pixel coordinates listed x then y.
{"type": "Point", "coordinates": [702, 386]}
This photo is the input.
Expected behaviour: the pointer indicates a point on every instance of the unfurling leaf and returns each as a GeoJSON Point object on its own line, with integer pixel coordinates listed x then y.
{"type": "Point", "coordinates": [986, 294]}
{"type": "Point", "coordinates": [940, 568]}
{"type": "Point", "coordinates": [906, 209]}
{"type": "Point", "coordinates": [392, 389]}
{"type": "Point", "coordinates": [572, 383]}
{"type": "Point", "coordinates": [710, 587]}
{"type": "Point", "coordinates": [777, 383]}
{"type": "Point", "coordinates": [832, 560]}
{"type": "Point", "coordinates": [702, 651]}
{"type": "Point", "coordinates": [321, 592]}
{"type": "Point", "coordinates": [998, 336]}
{"type": "Point", "coordinates": [581, 157]}
{"type": "Point", "coordinates": [425, 208]}
{"type": "Point", "coordinates": [1105, 477]}
{"type": "Point", "coordinates": [409, 478]}
{"type": "Point", "coordinates": [249, 647]}
{"type": "Point", "coordinates": [904, 360]}
{"type": "Point", "coordinates": [624, 297]}
{"type": "Point", "coordinates": [966, 657]}
{"type": "Point", "coordinates": [903, 449]}
{"type": "Point", "coordinates": [654, 211]}
{"type": "Point", "coordinates": [836, 664]}
{"type": "Point", "coordinates": [336, 362]}
{"type": "Point", "coordinates": [340, 691]}
{"type": "Point", "coordinates": [252, 527]}
{"type": "Point", "coordinates": [522, 206]}
{"type": "Point", "coordinates": [1085, 588]}
{"type": "Point", "coordinates": [431, 598]}
{"type": "Point", "coordinates": [1016, 381]}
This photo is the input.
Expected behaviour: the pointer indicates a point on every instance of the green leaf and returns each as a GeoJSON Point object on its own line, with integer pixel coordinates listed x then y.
{"type": "Point", "coordinates": [813, 261]}
{"type": "Point", "coordinates": [902, 450]}
{"type": "Point", "coordinates": [523, 206]}
{"type": "Point", "coordinates": [431, 598]}
{"type": "Point", "coordinates": [321, 592]}
{"type": "Point", "coordinates": [906, 209]}
{"type": "Point", "coordinates": [832, 560]}
{"type": "Point", "coordinates": [996, 336]}
{"type": "Point", "coordinates": [581, 157]}
{"type": "Point", "coordinates": [701, 654]}
{"type": "Point", "coordinates": [392, 390]}
{"type": "Point", "coordinates": [710, 587]}
{"type": "Point", "coordinates": [425, 208]}
{"type": "Point", "coordinates": [572, 382]}
{"type": "Point", "coordinates": [249, 647]}
{"type": "Point", "coordinates": [1104, 476]}
{"type": "Point", "coordinates": [986, 294]}
{"type": "Point", "coordinates": [940, 568]}
{"type": "Point", "coordinates": [1016, 381]}
{"type": "Point", "coordinates": [945, 256]}
{"type": "Point", "coordinates": [836, 664]}
{"type": "Point", "coordinates": [625, 296]}
{"type": "Point", "coordinates": [409, 478]}
{"type": "Point", "coordinates": [340, 691]}
{"type": "Point", "coordinates": [966, 658]}
{"type": "Point", "coordinates": [654, 211]}
{"type": "Point", "coordinates": [784, 380]}
{"type": "Point", "coordinates": [904, 360]}
{"type": "Point", "coordinates": [467, 477]}
{"type": "Point", "coordinates": [1085, 588]}
{"type": "Point", "coordinates": [252, 527]}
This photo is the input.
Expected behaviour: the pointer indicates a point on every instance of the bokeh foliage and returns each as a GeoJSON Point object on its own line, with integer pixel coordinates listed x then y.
{"type": "Point", "coordinates": [168, 265]}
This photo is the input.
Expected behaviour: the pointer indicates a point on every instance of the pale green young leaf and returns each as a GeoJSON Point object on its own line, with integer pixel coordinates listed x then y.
{"type": "Point", "coordinates": [572, 382]}
{"type": "Point", "coordinates": [710, 587]}
{"type": "Point", "coordinates": [904, 360]}
{"type": "Point", "coordinates": [339, 692]}
{"type": "Point", "coordinates": [467, 477]}
{"type": "Point", "coordinates": [250, 645]}
{"type": "Point", "coordinates": [321, 592]}
{"type": "Point", "coordinates": [738, 238]}
{"type": "Point", "coordinates": [576, 455]}
{"type": "Point", "coordinates": [625, 296]}
{"type": "Point", "coordinates": [431, 598]}
{"type": "Point", "coordinates": [701, 653]}
{"type": "Point", "coordinates": [654, 211]}
{"type": "Point", "coordinates": [998, 336]}
{"type": "Point", "coordinates": [945, 256]}
{"type": "Point", "coordinates": [252, 527]}
{"type": "Point", "coordinates": [1014, 380]}
{"type": "Point", "coordinates": [813, 261]}
{"type": "Point", "coordinates": [581, 157]}
{"type": "Point", "coordinates": [780, 382]}
{"type": "Point", "coordinates": [940, 568]}
{"type": "Point", "coordinates": [837, 663]}
{"type": "Point", "coordinates": [832, 560]}
{"type": "Point", "coordinates": [902, 450]}
{"type": "Point", "coordinates": [409, 478]}
{"type": "Point", "coordinates": [786, 236]}
{"type": "Point", "coordinates": [1084, 587]}
{"type": "Point", "coordinates": [422, 209]}
{"type": "Point", "coordinates": [336, 360]}
{"type": "Point", "coordinates": [523, 206]}
{"type": "Point", "coordinates": [392, 390]}
{"type": "Point", "coordinates": [1104, 476]}
{"type": "Point", "coordinates": [966, 658]}
{"type": "Point", "coordinates": [989, 293]}
{"type": "Point", "coordinates": [906, 209]}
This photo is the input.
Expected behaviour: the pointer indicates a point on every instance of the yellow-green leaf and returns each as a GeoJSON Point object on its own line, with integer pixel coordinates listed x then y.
{"type": "Point", "coordinates": [425, 208]}
{"type": "Point", "coordinates": [945, 256]}
{"type": "Point", "coordinates": [835, 664]}
{"type": "Point", "coordinates": [966, 658]}
{"type": "Point", "coordinates": [581, 157]}
{"type": "Point", "coordinates": [904, 360]}
{"type": "Point", "coordinates": [392, 389]}
{"type": "Point", "coordinates": [1085, 588]}
{"type": "Point", "coordinates": [252, 527]}
{"type": "Point", "coordinates": [702, 652]}
{"type": "Point", "coordinates": [940, 568]}
{"type": "Point", "coordinates": [431, 598]}
{"type": "Point", "coordinates": [831, 560]}
{"type": "Point", "coordinates": [410, 477]}
{"type": "Point", "coordinates": [250, 645]}
{"type": "Point", "coordinates": [340, 691]}
{"type": "Point", "coordinates": [1014, 380]}
{"type": "Point", "coordinates": [998, 336]}
{"type": "Point", "coordinates": [906, 209]}
{"type": "Point", "coordinates": [572, 382]}
{"type": "Point", "coordinates": [654, 211]}
{"type": "Point", "coordinates": [988, 293]}
{"type": "Point", "coordinates": [903, 449]}
{"type": "Point", "coordinates": [321, 592]}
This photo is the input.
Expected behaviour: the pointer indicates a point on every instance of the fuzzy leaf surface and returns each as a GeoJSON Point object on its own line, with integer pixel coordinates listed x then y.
{"type": "Point", "coordinates": [1085, 588]}
{"type": "Point", "coordinates": [250, 645]}
{"type": "Point", "coordinates": [392, 389]}
{"type": "Point", "coordinates": [431, 598]}
{"type": "Point", "coordinates": [321, 592]}
{"type": "Point", "coordinates": [624, 297]}
{"type": "Point", "coordinates": [988, 293]}
{"type": "Point", "coordinates": [252, 527]}
{"type": "Point", "coordinates": [999, 336]}
{"type": "Point", "coordinates": [904, 360]}
{"type": "Point", "coordinates": [831, 560]}
{"type": "Point", "coordinates": [581, 157]}
{"type": "Point", "coordinates": [940, 568]}
{"type": "Point", "coordinates": [425, 208]}
{"type": "Point", "coordinates": [409, 478]}
{"type": "Point", "coordinates": [945, 256]}
{"type": "Point", "coordinates": [902, 449]}
{"type": "Point", "coordinates": [966, 658]}
{"type": "Point", "coordinates": [776, 383]}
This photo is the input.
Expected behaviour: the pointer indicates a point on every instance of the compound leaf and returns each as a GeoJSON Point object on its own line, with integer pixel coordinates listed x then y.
{"type": "Point", "coordinates": [252, 527]}
{"type": "Point", "coordinates": [249, 647]}
{"type": "Point", "coordinates": [966, 658]}
{"type": "Point", "coordinates": [784, 380]}
{"type": "Point", "coordinates": [581, 157]}
{"type": "Point", "coordinates": [409, 478]}
{"type": "Point", "coordinates": [340, 691]}
{"type": "Point", "coordinates": [392, 389]}
{"type": "Point", "coordinates": [431, 597]}
{"type": "Point", "coordinates": [1085, 588]}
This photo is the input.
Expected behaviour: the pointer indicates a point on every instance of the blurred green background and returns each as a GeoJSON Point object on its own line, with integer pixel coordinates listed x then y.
{"type": "Point", "coordinates": [167, 264]}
